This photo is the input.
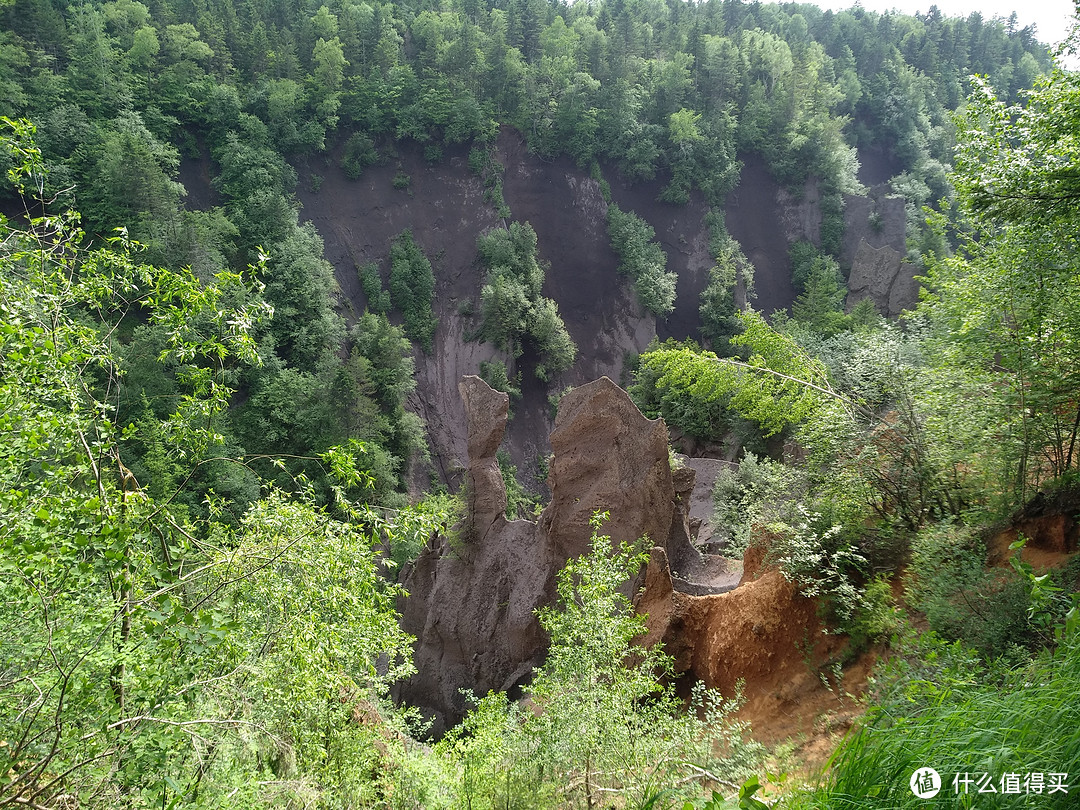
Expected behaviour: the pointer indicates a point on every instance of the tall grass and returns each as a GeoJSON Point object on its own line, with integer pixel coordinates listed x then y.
{"type": "Point", "coordinates": [944, 710]}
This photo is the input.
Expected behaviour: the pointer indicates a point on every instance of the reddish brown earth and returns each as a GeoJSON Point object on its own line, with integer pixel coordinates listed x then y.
{"type": "Point", "coordinates": [1052, 541]}
{"type": "Point", "coordinates": [764, 641]}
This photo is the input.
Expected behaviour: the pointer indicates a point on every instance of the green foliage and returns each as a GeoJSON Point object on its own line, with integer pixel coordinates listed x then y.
{"type": "Point", "coordinates": [746, 796]}
{"type": "Point", "coordinates": [371, 283]}
{"type": "Point", "coordinates": [97, 647]}
{"type": "Point", "coordinates": [512, 308]}
{"type": "Point", "coordinates": [1003, 311]}
{"type": "Point", "coordinates": [878, 618]}
{"type": "Point", "coordinates": [132, 179]}
{"type": "Point", "coordinates": [643, 260]}
{"type": "Point", "coordinates": [962, 600]}
{"type": "Point", "coordinates": [821, 561]}
{"type": "Point", "coordinates": [519, 503]}
{"type": "Point", "coordinates": [731, 278]}
{"type": "Point", "coordinates": [602, 723]}
{"type": "Point", "coordinates": [414, 526]}
{"type": "Point", "coordinates": [299, 284]}
{"type": "Point", "coordinates": [1015, 164]}
{"type": "Point", "coordinates": [942, 709]}
{"type": "Point", "coordinates": [153, 658]}
{"type": "Point", "coordinates": [308, 666]}
{"type": "Point", "coordinates": [832, 221]}
{"type": "Point", "coordinates": [752, 495]}
{"type": "Point", "coordinates": [482, 162]}
{"type": "Point", "coordinates": [121, 90]}
{"type": "Point", "coordinates": [1052, 610]}
{"type": "Point", "coordinates": [381, 367]}
{"type": "Point", "coordinates": [821, 304]}
{"type": "Point", "coordinates": [494, 373]}
{"type": "Point", "coordinates": [778, 385]}
{"type": "Point", "coordinates": [358, 154]}
{"type": "Point", "coordinates": [556, 348]}
{"type": "Point", "coordinates": [412, 289]}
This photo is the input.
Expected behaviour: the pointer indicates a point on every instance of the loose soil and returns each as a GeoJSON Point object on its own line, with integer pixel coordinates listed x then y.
{"type": "Point", "coordinates": [753, 215]}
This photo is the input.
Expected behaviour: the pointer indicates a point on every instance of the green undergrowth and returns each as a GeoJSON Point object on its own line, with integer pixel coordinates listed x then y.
{"type": "Point", "coordinates": [940, 706]}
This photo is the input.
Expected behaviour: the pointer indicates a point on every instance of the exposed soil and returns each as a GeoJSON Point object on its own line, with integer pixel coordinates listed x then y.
{"type": "Point", "coordinates": [754, 217]}
{"type": "Point", "coordinates": [567, 210]}
{"type": "Point", "coordinates": [877, 165]}
{"type": "Point", "coordinates": [682, 233]}
{"type": "Point", "coordinates": [445, 208]}
{"type": "Point", "coordinates": [1052, 542]}
{"type": "Point", "coordinates": [805, 719]}
{"type": "Point", "coordinates": [195, 174]}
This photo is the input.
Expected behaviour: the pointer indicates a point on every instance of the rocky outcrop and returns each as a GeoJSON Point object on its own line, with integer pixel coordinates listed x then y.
{"type": "Point", "coordinates": [756, 217]}
{"type": "Point", "coordinates": [446, 209]}
{"type": "Point", "coordinates": [606, 456]}
{"type": "Point", "coordinates": [875, 242]}
{"type": "Point", "coordinates": [472, 595]}
{"type": "Point", "coordinates": [701, 498]}
{"type": "Point", "coordinates": [761, 634]}
{"type": "Point", "coordinates": [472, 601]}
{"type": "Point", "coordinates": [881, 275]}
{"type": "Point", "coordinates": [486, 411]}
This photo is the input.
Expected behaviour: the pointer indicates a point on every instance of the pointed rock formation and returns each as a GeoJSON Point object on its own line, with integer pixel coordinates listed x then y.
{"type": "Point", "coordinates": [472, 603]}
{"type": "Point", "coordinates": [607, 456]}
{"type": "Point", "coordinates": [486, 412]}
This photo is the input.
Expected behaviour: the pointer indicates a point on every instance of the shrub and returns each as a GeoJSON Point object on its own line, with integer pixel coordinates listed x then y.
{"type": "Point", "coordinates": [602, 724]}
{"type": "Point", "coordinates": [962, 599]}
{"type": "Point", "coordinates": [512, 309]}
{"type": "Point", "coordinates": [494, 373]}
{"type": "Point", "coordinates": [359, 153]}
{"type": "Point", "coordinates": [643, 260]}
{"type": "Point", "coordinates": [518, 501]}
{"type": "Point", "coordinates": [371, 283]}
{"type": "Point", "coordinates": [730, 271]}
{"type": "Point", "coordinates": [757, 492]}
{"type": "Point", "coordinates": [433, 153]}
{"type": "Point", "coordinates": [816, 558]}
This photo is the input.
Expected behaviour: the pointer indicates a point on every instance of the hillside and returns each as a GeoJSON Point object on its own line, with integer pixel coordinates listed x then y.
{"type": "Point", "coordinates": [502, 403]}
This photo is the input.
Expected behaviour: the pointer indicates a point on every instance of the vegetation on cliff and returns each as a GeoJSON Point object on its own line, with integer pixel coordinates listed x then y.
{"type": "Point", "coordinates": [203, 459]}
{"type": "Point", "coordinates": [915, 444]}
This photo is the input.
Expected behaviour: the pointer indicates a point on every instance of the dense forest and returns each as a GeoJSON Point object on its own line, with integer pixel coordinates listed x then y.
{"type": "Point", "coordinates": [205, 499]}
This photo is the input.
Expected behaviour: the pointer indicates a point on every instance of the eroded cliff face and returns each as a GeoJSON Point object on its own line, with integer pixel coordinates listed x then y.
{"type": "Point", "coordinates": [473, 596]}
{"type": "Point", "coordinates": [472, 599]}
{"type": "Point", "coordinates": [445, 207]}
{"type": "Point", "coordinates": [874, 249]}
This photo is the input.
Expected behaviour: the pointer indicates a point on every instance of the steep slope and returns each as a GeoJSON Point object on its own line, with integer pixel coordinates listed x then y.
{"type": "Point", "coordinates": [472, 599]}
{"type": "Point", "coordinates": [445, 208]}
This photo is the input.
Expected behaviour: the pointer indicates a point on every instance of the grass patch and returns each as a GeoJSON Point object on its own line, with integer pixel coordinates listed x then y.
{"type": "Point", "coordinates": [943, 708]}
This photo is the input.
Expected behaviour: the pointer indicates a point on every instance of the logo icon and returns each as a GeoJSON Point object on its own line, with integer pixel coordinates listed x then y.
{"type": "Point", "coordinates": [925, 783]}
